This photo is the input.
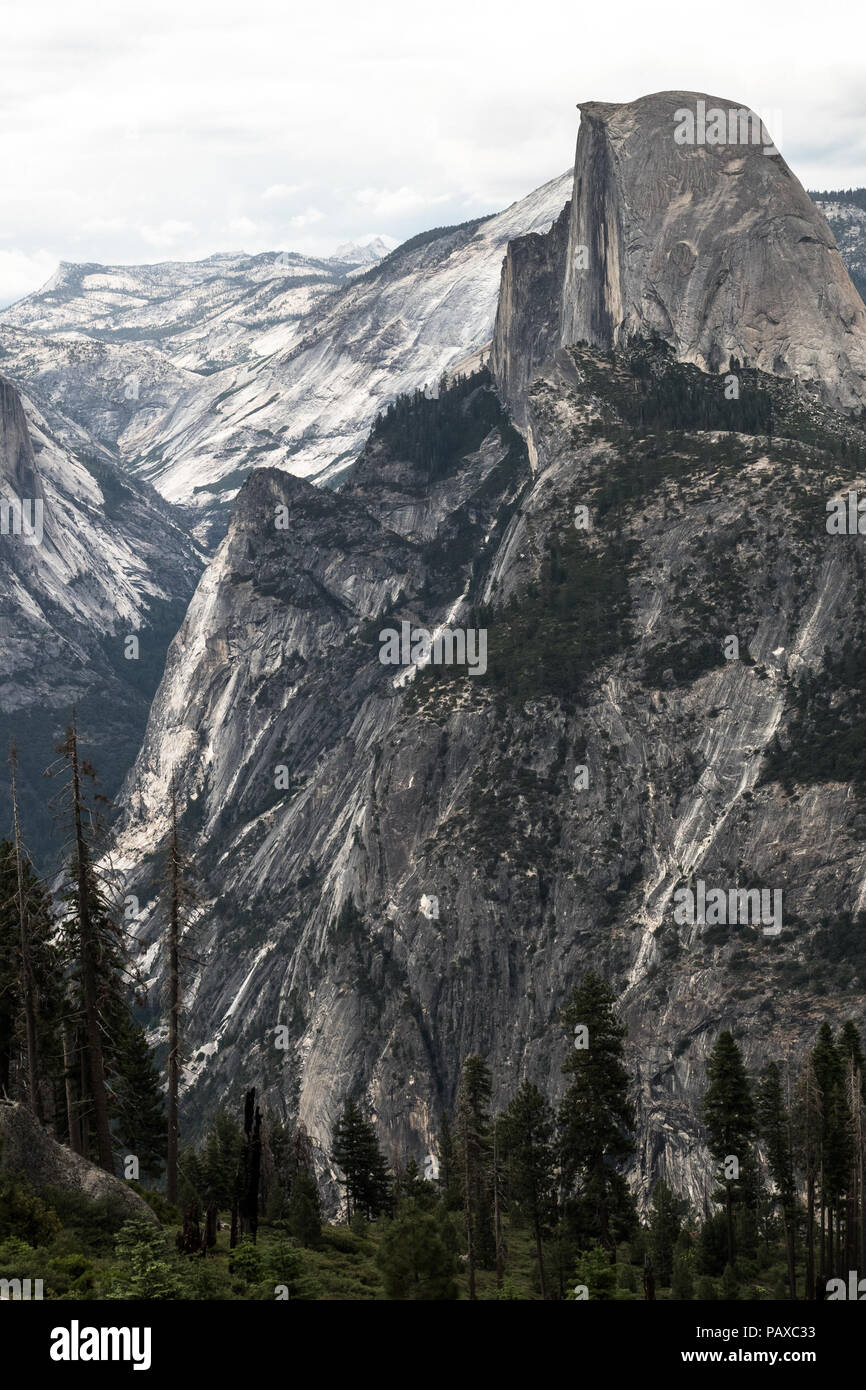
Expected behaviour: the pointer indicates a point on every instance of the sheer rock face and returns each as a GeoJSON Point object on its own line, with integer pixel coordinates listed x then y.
{"type": "Point", "coordinates": [274, 667]}
{"type": "Point", "coordinates": [18, 475]}
{"type": "Point", "coordinates": [716, 247]}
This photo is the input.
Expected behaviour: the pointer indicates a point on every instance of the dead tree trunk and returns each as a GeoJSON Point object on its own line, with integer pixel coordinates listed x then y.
{"type": "Point", "coordinates": [73, 1122]}
{"type": "Point", "coordinates": [208, 1240]}
{"type": "Point", "coordinates": [249, 1170]}
{"type": "Point", "coordinates": [497, 1214]}
{"type": "Point", "coordinates": [189, 1241]}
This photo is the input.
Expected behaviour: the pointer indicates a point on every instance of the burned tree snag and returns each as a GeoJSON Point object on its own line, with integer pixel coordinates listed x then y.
{"type": "Point", "coordinates": [245, 1208]}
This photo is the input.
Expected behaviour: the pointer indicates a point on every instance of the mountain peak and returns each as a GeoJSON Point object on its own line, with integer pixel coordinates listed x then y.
{"type": "Point", "coordinates": [686, 222]}
{"type": "Point", "coordinates": [363, 252]}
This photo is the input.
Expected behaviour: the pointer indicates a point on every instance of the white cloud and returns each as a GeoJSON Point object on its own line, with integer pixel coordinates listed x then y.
{"type": "Point", "coordinates": [391, 202]}
{"type": "Point", "coordinates": [104, 224]}
{"type": "Point", "coordinates": [168, 233]}
{"type": "Point", "coordinates": [283, 190]}
{"type": "Point", "coordinates": [307, 218]}
{"type": "Point", "coordinates": [243, 226]}
{"type": "Point", "coordinates": [21, 273]}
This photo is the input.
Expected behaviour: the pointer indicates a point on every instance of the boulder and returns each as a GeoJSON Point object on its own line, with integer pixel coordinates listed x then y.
{"type": "Point", "coordinates": [28, 1153]}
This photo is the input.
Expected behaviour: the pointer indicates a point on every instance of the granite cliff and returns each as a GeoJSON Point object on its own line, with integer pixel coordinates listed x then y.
{"type": "Point", "coordinates": [403, 870]}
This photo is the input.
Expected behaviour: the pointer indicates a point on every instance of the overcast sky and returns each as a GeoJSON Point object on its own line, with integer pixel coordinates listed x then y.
{"type": "Point", "coordinates": [170, 129]}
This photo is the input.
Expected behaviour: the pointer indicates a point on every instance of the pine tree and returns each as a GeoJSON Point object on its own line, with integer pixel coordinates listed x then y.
{"type": "Point", "coordinates": [347, 1152]}
{"type": "Point", "coordinates": [777, 1133]}
{"type": "Point", "coordinates": [304, 1212]}
{"type": "Point", "coordinates": [45, 966]}
{"type": "Point", "coordinates": [150, 1273]}
{"type": "Point", "coordinates": [278, 1168]}
{"type": "Point", "coordinates": [729, 1115]}
{"type": "Point", "coordinates": [528, 1142]}
{"type": "Point", "coordinates": [449, 1177]}
{"type": "Point", "coordinates": [807, 1150]}
{"type": "Point", "coordinates": [665, 1220]}
{"type": "Point", "coordinates": [850, 1048]}
{"type": "Point", "coordinates": [596, 1120]}
{"type": "Point", "coordinates": [682, 1283]}
{"type": "Point", "coordinates": [356, 1152]}
{"type": "Point", "coordinates": [730, 1289]}
{"type": "Point", "coordinates": [10, 969]}
{"type": "Point", "coordinates": [496, 1189]}
{"type": "Point", "coordinates": [27, 976]}
{"type": "Point", "coordinates": [472, 1134]}
{"type": "Point", "coordinates": [219, 1162]}
{"type": "Point", "coordinates": [835, 1150]}
{"type": "Point", "coordinates": [849, 1043]}
{"type": "Point", "coordinates": [595, 1270]}
{"type": "Point", "coordinates": [415, 1261]}
{"type": "Point", "coordinates": [857, 1151]}
{"type": "Point", "coordinates": [138, 1108]}
{"type": "Point", "coordinates": [410, 1183]}
{"type": "Point", "coordinates": [94, 941]}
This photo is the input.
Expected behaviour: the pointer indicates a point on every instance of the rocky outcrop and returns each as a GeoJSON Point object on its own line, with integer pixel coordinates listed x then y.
{"type": "Point", "coordinates": [528, 327]}
{"type": "Point", "coordinates": [30, 1155]}
{"type": "Point", "coordinates": [714, 246]}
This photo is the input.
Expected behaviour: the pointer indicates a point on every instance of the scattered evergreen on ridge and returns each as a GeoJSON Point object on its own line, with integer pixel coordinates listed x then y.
{"type": "Point", "coordinates": [826, 738]}
{"type": "Point", "coordinates": [414, 243]}
{"type": "Point", "coordinates": [855, 196]}
{"type": "Point", "coordinates": [434, 432]}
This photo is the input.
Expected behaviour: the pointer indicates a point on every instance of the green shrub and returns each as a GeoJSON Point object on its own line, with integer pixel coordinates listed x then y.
{"type": "Point", "coordinates": [247, 1263]}
{"type": "Point", "coordinates": [24, 1214]}
{"type": "Point", "coordinates": [151, 1270]}
{"type": "Point", "coordinates": [594, 1269]}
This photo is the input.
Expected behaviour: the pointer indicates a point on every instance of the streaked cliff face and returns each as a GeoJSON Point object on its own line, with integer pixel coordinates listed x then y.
{"type": "Point", "coordinates": [311, 777]}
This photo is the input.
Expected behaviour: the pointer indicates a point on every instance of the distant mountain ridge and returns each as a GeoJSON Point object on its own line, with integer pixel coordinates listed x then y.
{"type": "Point", "coordinates": [112, 561]}
{"type": "Point", "coordinates": [191, 376]}
{"type": "Point", "coordinates": [845, 211]}
{"type": "Point", "coordinates": [362, 253]}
